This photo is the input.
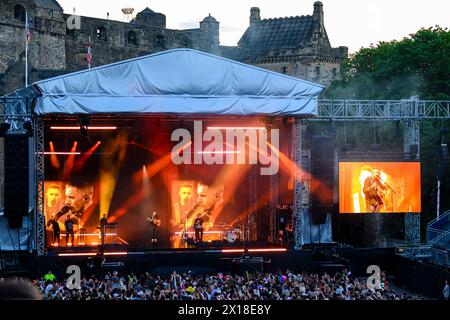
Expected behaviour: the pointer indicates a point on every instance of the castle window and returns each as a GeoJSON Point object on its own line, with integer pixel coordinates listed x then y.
{"type": "Point", "coordinates": [101, 34]}
{"type": "Point", "coordinates": [160, 42]}
{"type": "Point", "coordinates": [334, 72]}
{"type": "Point", "coordinates": [132, 38]}
{"type": "Point", "coordinates": [19, 13]}
{"type": "Point", "coordinates": [318, 71]}
{"type": "Point", "coordinates": [284, 70]}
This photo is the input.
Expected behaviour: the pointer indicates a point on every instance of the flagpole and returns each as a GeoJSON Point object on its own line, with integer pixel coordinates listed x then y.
{"type": "Point", "coordinates": [89, 64]}
{"type": "Point", "coordinates": [26, 48]}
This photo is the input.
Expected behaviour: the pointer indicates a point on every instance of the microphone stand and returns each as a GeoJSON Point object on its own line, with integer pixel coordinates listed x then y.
{"type": "Point", "coordinates": [381, 182]}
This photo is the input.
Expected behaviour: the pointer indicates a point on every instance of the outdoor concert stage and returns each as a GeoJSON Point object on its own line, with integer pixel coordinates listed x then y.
{"type": "Point", "coordinates": [171, 157]}
{"type": "Point", "coordinates": [217, 151]}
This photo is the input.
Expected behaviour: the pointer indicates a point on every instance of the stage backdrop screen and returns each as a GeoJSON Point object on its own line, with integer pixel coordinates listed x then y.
{"type": "Point", "coordinates": [379, 187]}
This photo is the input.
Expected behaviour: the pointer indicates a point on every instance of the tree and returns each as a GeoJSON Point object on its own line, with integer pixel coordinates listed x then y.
{"type": "Point", "coordinates": [417, 65]}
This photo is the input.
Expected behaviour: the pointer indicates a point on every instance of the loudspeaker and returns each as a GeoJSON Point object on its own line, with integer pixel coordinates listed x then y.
{"type": "Point", "coordinates": [322, 172]}
{"type": "Point", "coordinates": [16, 179]}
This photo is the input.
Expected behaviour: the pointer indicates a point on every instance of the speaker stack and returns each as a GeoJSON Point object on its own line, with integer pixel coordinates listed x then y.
{"type": "Point", "coordinates": [322, 172]}
{"type": "Point", "coordinates": [16, 190]}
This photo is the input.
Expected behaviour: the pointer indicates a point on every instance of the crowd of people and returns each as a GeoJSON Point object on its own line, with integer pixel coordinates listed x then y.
{"type": "Point", "coordinates": [190, 286]}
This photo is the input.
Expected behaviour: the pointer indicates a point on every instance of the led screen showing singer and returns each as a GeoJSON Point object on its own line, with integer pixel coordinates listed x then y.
{"type": "Point", "coordinates": [379, 187]}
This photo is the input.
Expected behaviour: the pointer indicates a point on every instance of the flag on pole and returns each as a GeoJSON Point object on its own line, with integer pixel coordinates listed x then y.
{"type": "Point", "coordinates": [27, 30]}
{"type": "Point", "coordinates": [27, 40]}
{"type": "Point", "coordinates": [89, 56]}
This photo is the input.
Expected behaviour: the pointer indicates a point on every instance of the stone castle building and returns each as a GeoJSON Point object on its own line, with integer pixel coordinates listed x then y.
{"type": "Point", "coordinates": [297, 46]}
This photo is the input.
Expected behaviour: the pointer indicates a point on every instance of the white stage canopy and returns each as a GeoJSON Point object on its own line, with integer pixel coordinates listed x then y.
{"type": "Point", "coordinates": [179, 81]}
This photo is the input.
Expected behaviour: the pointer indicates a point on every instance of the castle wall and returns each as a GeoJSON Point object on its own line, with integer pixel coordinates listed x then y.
{"type": "Point", "coordinates": [115, 43]}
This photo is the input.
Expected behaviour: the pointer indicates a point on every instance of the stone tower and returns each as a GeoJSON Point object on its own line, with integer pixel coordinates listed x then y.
{"type": "Point", "coordinates": [318, 12]}
{"type": "Point", "coordinates": [255, 15]}
{"type": "Point", "coordinates": [150, 18]}
{"type": "Point", "coordinates": [210, 28]}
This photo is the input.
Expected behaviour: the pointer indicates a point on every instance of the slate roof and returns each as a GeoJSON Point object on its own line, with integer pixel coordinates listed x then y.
{"type": "Point", "coordinates": [209, 18]}
{"type": "Point", "coordinates": [147, 10]}
{"type": "Point", "coordinates": [48, 4]}
{"type": "Point", "coordinates": [279, 33]}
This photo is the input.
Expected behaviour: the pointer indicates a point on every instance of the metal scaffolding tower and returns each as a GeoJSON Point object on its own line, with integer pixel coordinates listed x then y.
{"type": "Point", "coordinates": [39, 218]}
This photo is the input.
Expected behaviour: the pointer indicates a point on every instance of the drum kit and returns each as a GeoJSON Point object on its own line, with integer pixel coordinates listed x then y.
{"type": "Point", "coordinates": [230, 233]}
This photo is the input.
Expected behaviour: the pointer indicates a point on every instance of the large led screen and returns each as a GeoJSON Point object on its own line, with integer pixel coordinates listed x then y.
{"type": "Point", "coordinates": [379, 187]}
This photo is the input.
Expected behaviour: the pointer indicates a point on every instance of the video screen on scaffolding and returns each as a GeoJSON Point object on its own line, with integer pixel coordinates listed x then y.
{"type": "Point", "coordinates": [379, 187]}
{"type": "Point", "coordinates": [128, 170]}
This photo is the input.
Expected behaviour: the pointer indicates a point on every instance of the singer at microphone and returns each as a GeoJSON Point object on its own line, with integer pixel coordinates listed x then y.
{"type": "Point", "coordinates": [79, 198]}
{"type": "Point", "coordinates": [63, 211]}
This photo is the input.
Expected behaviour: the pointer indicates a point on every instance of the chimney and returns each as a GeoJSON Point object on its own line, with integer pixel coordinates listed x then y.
{"type": "Point", "coordinates": [318, 11]}
{"type": "Point", "coordinates": [255, 15]}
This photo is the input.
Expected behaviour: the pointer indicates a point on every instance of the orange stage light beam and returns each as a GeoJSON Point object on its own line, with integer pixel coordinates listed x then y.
{"type": "Point", "coordinates": [289, 166]}
{"type": "Point", "coordinates": [150, 150]}
{"type": "Point", "coordinates": [71, 159]}
{"type": "Point", "coordinates": [110, 163]}
{"type": "Point", "coordinates": [254, 207]}
{"type": "Point", "coordinates": [151, 170]}
{"type": "Point", "coordinates": [53, 158]}
{"type": "Point", "coordinates": [80, 163]}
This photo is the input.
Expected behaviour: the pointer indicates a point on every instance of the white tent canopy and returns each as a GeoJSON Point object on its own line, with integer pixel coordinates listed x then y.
{"type": "Point", "coordinates": [179, 81]}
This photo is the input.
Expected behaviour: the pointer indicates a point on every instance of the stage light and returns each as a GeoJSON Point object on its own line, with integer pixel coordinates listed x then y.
{"type": "Point", "coordinates": [4, 127]}
{"type": "Point", "coordinates": [119, 253]}
{"type": "Point", "coordinates": [254, 250]}
{"type": "Point", "coordinates": [84, 124]}
{"type": "Point", "coordinates": [236, 128]}
{"type": "Point", "coordinates": [84, 131]}
{"type": "Point", "coordinates": [78, 128]}
{"type": "Point", "coordinates": [62, 153]}
{"type": "Point", "coordinates": [218, 152]}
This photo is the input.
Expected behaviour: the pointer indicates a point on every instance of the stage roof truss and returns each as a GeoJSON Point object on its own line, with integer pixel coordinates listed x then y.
{"type": "Point", "coordinates": [383, 110]}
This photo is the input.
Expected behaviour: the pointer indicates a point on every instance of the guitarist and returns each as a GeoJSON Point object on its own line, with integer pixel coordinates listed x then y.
{"type": "Point", "coordinates": [198, 227]}
{"type": "Point", "coordinates": [374, 190]}
{"type": "Point", "coordinates": [155, 223]}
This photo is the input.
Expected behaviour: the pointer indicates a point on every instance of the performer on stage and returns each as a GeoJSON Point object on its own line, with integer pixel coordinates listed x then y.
{"type": "Point", "coordinates": [103, 223]}
{"type": "Point", "coordinates": [55, 228]}
{"type": "Point", "coordinates": [69, 223]}
{"type": "Point", "coordinates": [155, 223]}
{"type": "Point", "coordinates": [374, 190]}
{"type": "Point", "coordinates": [198, 227]}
